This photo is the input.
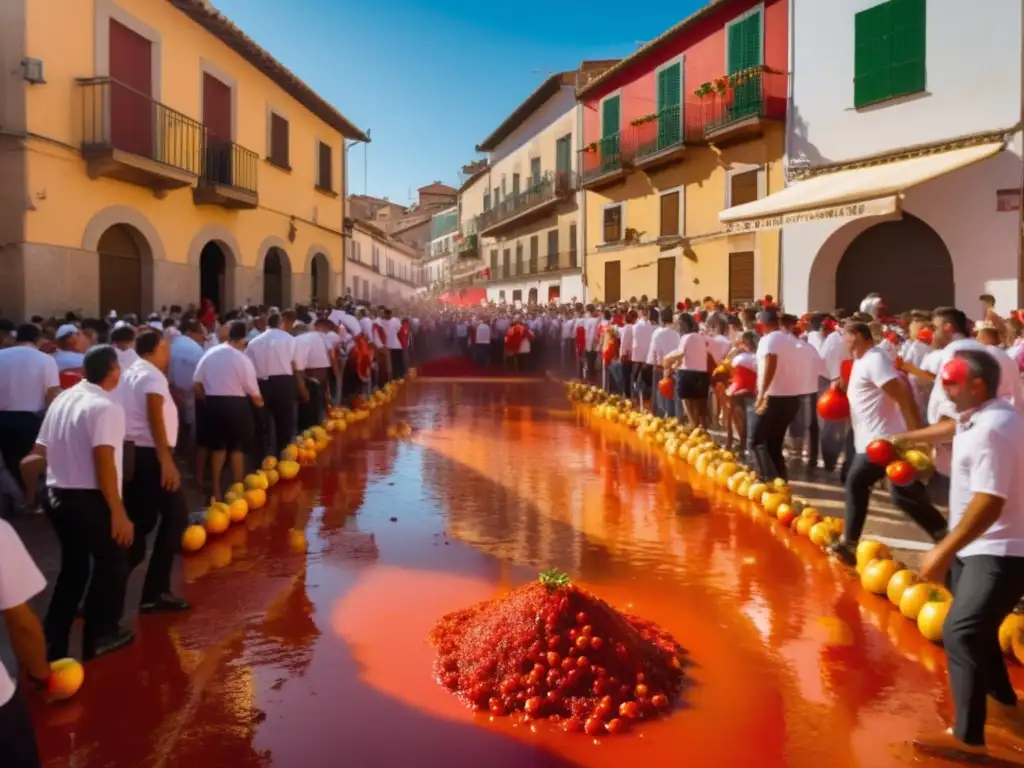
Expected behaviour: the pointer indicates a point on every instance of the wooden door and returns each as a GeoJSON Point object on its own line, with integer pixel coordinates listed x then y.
{"type": "Point", "coordinates": [120, 271]}
{"type": "Point", "coordinates": [131, 105]}
{"type": "Point", "coordinates": [217, 121]}
{"type": "Point", "coordinates": [612, 281]}
{"type": "Point", "coordinates": [741, 278]}
{"type": "Point", "coordinates": [667, 281]}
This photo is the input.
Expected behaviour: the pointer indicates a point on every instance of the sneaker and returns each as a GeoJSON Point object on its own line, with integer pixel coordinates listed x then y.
{"type": "Point", "coordinates": [844, 550]}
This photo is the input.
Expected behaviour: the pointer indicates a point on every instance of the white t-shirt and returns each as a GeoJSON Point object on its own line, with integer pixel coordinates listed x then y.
{"type": "Point", "coordinates": [20, 581]}
{"type": "Point", "coordinates": [185, 356]}
{"type": "Point", "coordinates": [664, 341]}
{"type": "Point", "coordinates": [225, 372]}
{"type": "Point", "coordinates": [391, 328]}
{"type": "Point", "coordinates": [312, 348]}
{"type": "Point", "coordinates": [25, 376]}
{"type": "Point", "coordinates": [873, 413]}
{"type": "Point", "coordinates": [66, 359]}
{"type": "Point", "coordinates": [273, 352]}
{"type": "Point", "coordinates": [988, 457]}
{"type": "Point", "coordinates": [126, 358]}
{"type": "Point", "coordinates": [744, 360]}
{"type": "Point", "coordinates": [483, 334]}
{"type": "Point", "coordinates": [811, 367]}
{"type": "Point", "coordinates": [788, 380]}
{"type": "Point", "coordinates": [137, 383]}
{"type": "Point", "coordinates": [341, 318]}
{"type": "Point", "coordinates": [718, 346]}
{"type": "Point", "coordinates": [80, 419]}
{"type": "Point", "coordinates": [816, 339]}
{"type": "Point", "coordinates": [694, 350]}
{"type": "Point", "coordinates": [590, 331]}
{"type": "Point", "coordinates": [366, 326]}
{"type": "Point", "coordinates": [833, 352]}
{"type": "Point", "coordinates": [642, 333]}
{"type": "Point", "coordinates": [626, 341]}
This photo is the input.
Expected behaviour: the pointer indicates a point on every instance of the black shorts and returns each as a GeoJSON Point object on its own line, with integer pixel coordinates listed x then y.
{"type": "Point", "coordinates": [225, 424]}
{"type": "Point", "coordinates": [692, 385]}
{"type": "Point", "coordinates": [644, 376]}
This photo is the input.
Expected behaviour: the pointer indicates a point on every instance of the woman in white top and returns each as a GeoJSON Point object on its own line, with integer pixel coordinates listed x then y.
{"type": "Point", "coordinates": [690, 361]}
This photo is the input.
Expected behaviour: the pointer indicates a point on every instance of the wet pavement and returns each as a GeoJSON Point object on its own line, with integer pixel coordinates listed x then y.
{"type": "Point", "coordinates": [309, 649]}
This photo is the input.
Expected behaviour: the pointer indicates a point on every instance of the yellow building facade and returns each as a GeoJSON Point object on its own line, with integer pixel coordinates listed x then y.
{"type": "Point", "coordinates": [155, 155]}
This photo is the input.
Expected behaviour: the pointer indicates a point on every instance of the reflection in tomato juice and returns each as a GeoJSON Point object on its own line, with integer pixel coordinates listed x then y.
{"type": "Point", "coordinates": [316, 654]}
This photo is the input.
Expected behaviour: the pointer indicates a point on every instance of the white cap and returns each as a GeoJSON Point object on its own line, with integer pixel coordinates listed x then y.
{"type": "Point", "coordinates": [156, 324]}
{"type": "Point", "coordinates": [112, 314]}
{"type": "Point", "coordinates": [66, 330]}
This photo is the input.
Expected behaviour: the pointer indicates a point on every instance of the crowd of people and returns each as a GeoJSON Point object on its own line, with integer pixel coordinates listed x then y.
{"type": "Point", "coordinates": [117, 411]}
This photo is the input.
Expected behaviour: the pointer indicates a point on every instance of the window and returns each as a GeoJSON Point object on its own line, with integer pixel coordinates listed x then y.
{"type": "Point", "coordinates": [889, 51]}
{"type": "Point", "coordinates": [279, 141]}
{"type": "Point", "coordinates": [553, 249]}
{"type": "Point", "coordinates": [670, 214]}
{"type": "Point", "coordinates": [563, 156]}
{"type": "Point", "coordinates": [487, 201]}
{"type": "Point", "coordinates": [515, 185]}
{"type": "Point", "coordinates": [506, 262]}
{"type": "Point", "coordinates": [497, 196]}
{"type": "Point", "coordinates": [572, 246]}
{"type": "Point", "coordinates": [494, 262]}
{"type": "Point", "coordinates": [501, 295]}
{"type": "Point", "coordinates": [534, 171]}
{"type": "Point", "coordinates": [375, 255]}
{"type": "Point", "coordinates": [326, 162]}
{"type": "Point", "coordinates": [743, 187]}
{"type": "Point", "coordinates": [519, 259]}
{"type": "Point", "coordinates": [743, 42]}
{"type": "Point", "coordinates": [612, 220]}
{"type": "Point", "coordinates": [669, 94]}
{"type": "Point", "coordinates": [534, 252]}
{"type": "Point", "coordinates": [517, 296]}
{"type": "Point", "coordinates": [610, 117]}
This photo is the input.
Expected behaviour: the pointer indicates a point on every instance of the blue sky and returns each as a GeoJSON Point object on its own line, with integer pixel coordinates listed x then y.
{"type": "Point", "coordinates": [432, 79]}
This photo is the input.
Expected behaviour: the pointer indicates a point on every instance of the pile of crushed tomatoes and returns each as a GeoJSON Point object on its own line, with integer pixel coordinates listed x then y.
{"type": "Point", "coordinates": [552, 650]}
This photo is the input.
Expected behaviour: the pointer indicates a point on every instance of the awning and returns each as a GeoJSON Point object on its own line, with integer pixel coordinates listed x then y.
{"type": "Point", "coordinates": [869, 191]}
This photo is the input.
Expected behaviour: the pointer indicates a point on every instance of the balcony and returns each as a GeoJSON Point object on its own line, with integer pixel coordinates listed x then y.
{"type": "Point", "coordinates": [737, 107]}
{"type": "Point", "coordinates": [128, 136]}
{"type": "Point", "coordinates": [546, 267]}
{"type": "Point", "coordinates": [469, 247]}
{"type": "Point", "coordinates": [538, 199]}
{"type": "Point", "coordinates": [229, 177]}
{"type": "Point", "coordinates": [663, 136]}
{"type": "Point", "coordinates": [607, 160]}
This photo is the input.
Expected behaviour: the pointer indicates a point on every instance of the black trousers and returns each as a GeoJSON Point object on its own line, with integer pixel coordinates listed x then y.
{"type": "Point", "coordinates": [17, 738]}
{"type": "Point", "coordinates": [150, 505]}
{"type": "Point", "coordinates": [310, 411]}
{"type": "Point", "coordinates": [398, 363]}
{"type": "Point", "coordinates": [985, 589]}
{"type": "Point", "coordinates": [18, 433]}
{"type": "Point", "coordinates": [280, 396]}
{"type": "Point", "coordinates": [912, 499]}
{"type": "Point", "coordinates": [81, 519]}
{"type": "Point", "coordinates": [768, 433]}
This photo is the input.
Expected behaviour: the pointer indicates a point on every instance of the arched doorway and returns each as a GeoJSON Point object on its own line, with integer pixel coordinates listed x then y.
{"type": "Point", "coordinates": [215, 273]}
{"type": "Point", "coordinates": [320, 280]}
{"type": "Point", "coordinates": [126, 262]}
{"type": "Point", "coordinates": [277, 279]}
{"type": "Point", "coordinates": [904, 260]}
{"type": "Point", "coordinates": [532, 296]}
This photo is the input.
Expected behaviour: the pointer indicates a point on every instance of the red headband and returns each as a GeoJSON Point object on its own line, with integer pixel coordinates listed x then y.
{"type": "Point", "coordinates": [956, 371]}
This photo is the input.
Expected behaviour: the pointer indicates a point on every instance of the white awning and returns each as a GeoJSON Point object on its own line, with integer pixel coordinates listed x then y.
{"type": "Point", "coordinates": [850, 194]}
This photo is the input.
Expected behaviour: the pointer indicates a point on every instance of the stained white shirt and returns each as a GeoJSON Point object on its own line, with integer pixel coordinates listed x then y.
{"type": "Point", "coordinates": [80, 419]}
{"type": "Point", "coordinates": [225, 372]}
{"type": "Point", "coordinates": [642, 333]}
{"type": "Point", "coordinates": [26, 374]}
{"type": "Point", "coordinates": [66, 359]}
{"type": "Point", "coordinates": [138, 382]}
{"type": "Point", "coordinates": [788, 380]}
{"type": "Point", "coordinates": [274, 352]}
{"type": "Point", "coordinates": [873, 413]}
{"type": "Point", "coordinates": [20, 581]}
{"type": "Point", "coordinates": [988, 457]}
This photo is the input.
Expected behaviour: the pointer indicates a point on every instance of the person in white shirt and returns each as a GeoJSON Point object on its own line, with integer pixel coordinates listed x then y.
{"type": "Point", "coordinates": [622, 369]}
{"type": "Point", "coordinates": [643, 381]}
{"type": "Point", "coordinates": [983, 554]}
{"type": "Point", "coordinates": [225, 384]}
{"type": "Point", "coordinates": [68, 355]}
{"type": "Point", "coordinates": [690, 360]}
{"type": "Point", "coordinates": [81, 444]}
{"type": "Point", "coordinates": [311, 350]}
{"type": "Point", "coordinates": [881, 406]}
{"type": "Point", "coordinates": [279, 363]}
{"type": "Point", "coordinates": [392, 325]}
{"type": "Point", "coordinates": [20, 581]}
{"type": "Point", "coordinates": [832, 435]}
{"type": "Point", "coordinates": [482, 343]}
{"type": "Point", "coordinates": [568, 334]}
{"type": "Point", "coordinates": [186, 351]}
{"type": "Point", "coordinates": [778, 396]}
{"type": "Point", "coordinates": [664, 342]}
{"type": "Point", "coordinates": [123, 339]}
{"type": "Point", "coordinates": [153, 493]}
{"type": "Point", "coordinates": [29, 381]}
{"type": "Point", "coordinates": [812, 369]}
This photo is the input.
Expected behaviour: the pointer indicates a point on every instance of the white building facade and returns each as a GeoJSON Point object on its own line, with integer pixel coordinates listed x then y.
{"type": "Point", "coordinates": [904, 153]}
{"type": "Point", "coordinates": [380, 269]}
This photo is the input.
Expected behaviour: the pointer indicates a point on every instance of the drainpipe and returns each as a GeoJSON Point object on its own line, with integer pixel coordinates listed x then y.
{"type": "Point", "coordinates": [581, 199]}
{"type": "Point", "coordinates": [791, 66]}
{"type": "Point", "coordinates": [346, 233]}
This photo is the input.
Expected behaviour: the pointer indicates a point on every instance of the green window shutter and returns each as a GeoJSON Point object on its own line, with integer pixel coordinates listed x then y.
{"type": "Point", "coordinates": [872, 66]}
{"type": "Point", "coordinates": [735, 43]}
{"type": "Point", "coordinates": [563, 155]}
{"type": "Point", "coordinates": [610, 117]}
{"type": "Point", "coordinates": [908, 46]}
{"type": "Point", "coordinates": [669, 87]}
{"type": "Point", "coordinates": [752, 41]}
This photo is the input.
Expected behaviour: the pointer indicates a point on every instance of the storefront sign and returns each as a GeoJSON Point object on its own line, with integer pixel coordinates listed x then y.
{"type": "Point", "coordinates": [880, 207]}
{"type": "Point", "coordinates": [1007, 200]}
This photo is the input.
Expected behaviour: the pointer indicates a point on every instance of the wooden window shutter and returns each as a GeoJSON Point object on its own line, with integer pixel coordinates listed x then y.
{"type": "Point", "coordinates": [872, 64]}
{"type": "Point", "coordinates": [610, 117]}
{"type": "Point", "coordinates": [743, 188]}
{"type": "Point", "coordinates": [326, 162]}
{"type": "Point", "coordinates": [908, 18]}
{"type": "Point", "coordinates": [669, 87]}
{"type": "Point", "coordinates": [572, 245]}
{"type": "Point", "coordinates": [279, 140]}
{"type": "Point", "coordinates": [613, 224]}
{"type": "Point", "coordinates": [552, 248]}
{"type": "Point", "coordinates": [670, 214]}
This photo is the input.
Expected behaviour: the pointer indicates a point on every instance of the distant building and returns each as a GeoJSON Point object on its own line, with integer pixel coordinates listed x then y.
{"type": "Point", "coordinates": [380, 268]}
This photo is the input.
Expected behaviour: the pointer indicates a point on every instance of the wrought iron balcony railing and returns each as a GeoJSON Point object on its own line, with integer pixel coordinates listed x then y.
{"type": "Point", "coordinates": [550, 187]}
{"type": "Point", "coordinates": [755, 93]}
{"type": "Point", "coordinates": [230, 165]}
